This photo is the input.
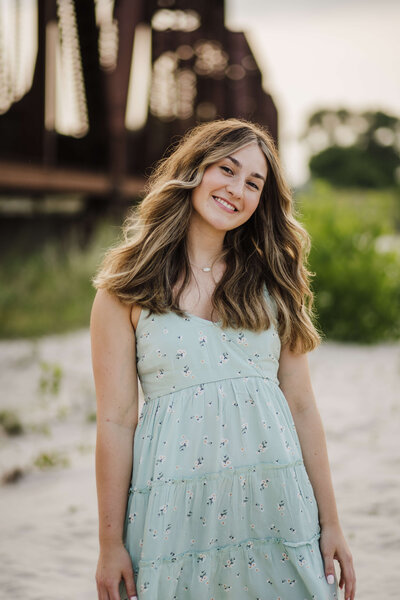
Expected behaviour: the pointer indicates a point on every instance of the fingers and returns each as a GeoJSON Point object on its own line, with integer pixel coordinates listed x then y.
{"type": "Point", "coordinates": [333, 546]}
{"type": "Point", "coordinates": [130, 584]}
{"type": "Point", "coordinates": [341, 582]}
{"type": "Point", "coordinates": [329, 568]}
{"type": "Point", "coordinates": [114, 595]}
{"type": "Point", "coordinates": [102, 592]}
{"type": "Point", "coordinates": [108, 591]}
{"type": "Point", "coordinates": [349, 578]}
{"type": "Point", "coordinates": [347, 575]}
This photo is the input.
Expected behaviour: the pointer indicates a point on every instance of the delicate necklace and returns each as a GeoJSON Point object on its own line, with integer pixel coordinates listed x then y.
{"type": "Point", "coordinates": [205, 269]}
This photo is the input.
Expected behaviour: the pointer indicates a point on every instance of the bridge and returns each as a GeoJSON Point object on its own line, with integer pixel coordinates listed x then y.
{"type": "Point", "coordinates": [93, 92]}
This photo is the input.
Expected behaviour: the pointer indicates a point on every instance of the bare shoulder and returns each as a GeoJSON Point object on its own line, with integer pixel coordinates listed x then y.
{"type": "Point", "coordinates": [109, 309]}
{"type": "Point", "coordinates": [110, 326]}
{"type": "Point", "coordinates": [108, 305]}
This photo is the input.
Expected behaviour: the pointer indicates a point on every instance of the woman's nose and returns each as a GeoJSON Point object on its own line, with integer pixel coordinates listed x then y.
{"type": "Point", "coordinates": [235, 188]}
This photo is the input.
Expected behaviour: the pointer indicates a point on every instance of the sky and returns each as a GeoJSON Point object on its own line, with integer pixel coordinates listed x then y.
{"type": "Point", "coordinates": [321, 54]}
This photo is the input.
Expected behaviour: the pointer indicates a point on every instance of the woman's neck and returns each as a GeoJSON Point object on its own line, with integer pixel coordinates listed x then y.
{"type": "Point", "coordinates": [204, 246]}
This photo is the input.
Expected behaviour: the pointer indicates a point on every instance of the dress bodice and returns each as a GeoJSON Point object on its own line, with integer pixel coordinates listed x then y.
{"type": "Point", "coordinates": [174, 352]}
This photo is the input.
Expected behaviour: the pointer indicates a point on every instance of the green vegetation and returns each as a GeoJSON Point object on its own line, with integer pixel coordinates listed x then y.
{"type": "Point", "coordinates": [351, 149]}
{"type": "Point", "coordinates": [49, 290]}
{"type": "Point", "coordinates": [91, 417]}
{"type": "Point", "coordinates": [13, 475]}
{"type": "Point", "coordinates": [47, 460]}
{"type": "Point", "coordinates": [10, 422]}
{"type": "Point", "coordinates": [50, 378]}
{"type": "Point", "coordinates": [355, 255]}
{"type": "Point", "coordinates": [41, 428]}
{"type": "Point", "coordinates": [63, 412]}
{"type": "Point", "coordinates": [357, 281]}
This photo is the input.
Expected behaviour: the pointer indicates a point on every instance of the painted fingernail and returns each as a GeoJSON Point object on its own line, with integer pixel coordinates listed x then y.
{"type": "Point", "coordinates": [330, 579]}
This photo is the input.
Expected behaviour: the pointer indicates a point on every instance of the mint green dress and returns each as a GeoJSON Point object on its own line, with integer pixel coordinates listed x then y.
{"type": "Point", "coordinates": [220, 504]}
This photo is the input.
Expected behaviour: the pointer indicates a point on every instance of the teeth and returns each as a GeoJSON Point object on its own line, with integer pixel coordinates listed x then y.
{"type": "Point", "coordinates": [232, 208]}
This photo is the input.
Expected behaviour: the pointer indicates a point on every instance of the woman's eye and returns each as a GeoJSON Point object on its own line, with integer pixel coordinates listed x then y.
{"type": "Point", "coordinates": [253, 185]}
{"type": "Point", "coordinates": [227, 170]}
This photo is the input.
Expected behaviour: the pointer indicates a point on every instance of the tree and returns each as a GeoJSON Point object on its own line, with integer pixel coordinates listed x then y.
{"type": "Point", "coordinates": [354, 149]}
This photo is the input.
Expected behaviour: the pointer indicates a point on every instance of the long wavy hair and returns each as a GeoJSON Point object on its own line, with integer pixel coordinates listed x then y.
{"type": "Point", "coordinates": [146, 263]}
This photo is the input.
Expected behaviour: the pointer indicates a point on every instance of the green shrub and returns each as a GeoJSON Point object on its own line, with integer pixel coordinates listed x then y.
{"type": "Point", "coordinates": [357, 285]}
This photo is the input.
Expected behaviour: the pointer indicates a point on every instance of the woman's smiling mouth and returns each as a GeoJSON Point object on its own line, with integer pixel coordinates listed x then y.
{"type": "Point", "coordinates": [224, 204]}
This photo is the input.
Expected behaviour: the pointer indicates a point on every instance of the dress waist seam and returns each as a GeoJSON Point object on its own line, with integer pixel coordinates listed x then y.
{"type": "Point", "coordinates": [148, 399]}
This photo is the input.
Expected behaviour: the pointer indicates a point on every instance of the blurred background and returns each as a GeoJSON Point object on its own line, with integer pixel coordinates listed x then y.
{"type": "Point", "coordinates": [92, 94]}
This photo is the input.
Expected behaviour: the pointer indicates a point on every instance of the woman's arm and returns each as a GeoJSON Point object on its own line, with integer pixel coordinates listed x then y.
{"type": "Point", "coordinates": [295, 382]}
{"type": "Point", "coordinates": [115, 376]}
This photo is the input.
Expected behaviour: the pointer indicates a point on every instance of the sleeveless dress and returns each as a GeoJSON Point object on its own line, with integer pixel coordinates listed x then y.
{"type": "Point", "coordinates": [220, 504]}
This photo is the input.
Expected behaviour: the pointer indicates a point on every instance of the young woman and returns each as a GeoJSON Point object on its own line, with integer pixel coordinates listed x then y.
{"type": "Point", "coordinates": [221, 488]}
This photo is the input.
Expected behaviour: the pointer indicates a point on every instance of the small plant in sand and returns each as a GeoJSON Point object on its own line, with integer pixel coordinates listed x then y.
{"type": "Point", "coordinates": [43, 428]}
{"type": "Point", "coordinates": [85, 448]}
{"type": "Point", "coordinates": [13, 475]}
{"type": "Point", "coordinates": [91, 417]}
{"type": "Point", "coordinates": [47, 460]}
{"type": "Point", "coordinates": [10, 422]}
{"type": "Point", "coordinates": [50, 378]}
{"type": "Point", "coordinates": [63, 412]}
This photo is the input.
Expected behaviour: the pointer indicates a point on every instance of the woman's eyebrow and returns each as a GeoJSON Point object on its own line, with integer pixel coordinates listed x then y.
{"type": "Point", "coordinates": [238, 164]}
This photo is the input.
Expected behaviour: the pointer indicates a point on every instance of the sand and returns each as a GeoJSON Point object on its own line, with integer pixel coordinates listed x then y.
{"type": "Point", "coordinates": [48, 517]}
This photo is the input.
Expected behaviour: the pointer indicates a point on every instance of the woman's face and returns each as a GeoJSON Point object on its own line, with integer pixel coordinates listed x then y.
{"type": "Point", "coordinates": [231, 188]}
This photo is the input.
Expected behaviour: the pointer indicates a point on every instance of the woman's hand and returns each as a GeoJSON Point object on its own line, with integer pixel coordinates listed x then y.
{"type": "Point", "coordinates": [114, 563]}
{"type": "Point", "coordinates": [334, 546]}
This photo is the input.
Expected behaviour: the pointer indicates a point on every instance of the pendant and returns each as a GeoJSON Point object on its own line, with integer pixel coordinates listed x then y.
{"type": "Point", "coordinates": [206, 269]}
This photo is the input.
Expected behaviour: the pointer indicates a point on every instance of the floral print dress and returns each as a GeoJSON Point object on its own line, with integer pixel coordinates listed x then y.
{"type": "Point", "coordinates": [220, 504]}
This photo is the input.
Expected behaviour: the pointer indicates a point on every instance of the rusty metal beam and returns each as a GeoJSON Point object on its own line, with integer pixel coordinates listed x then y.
{"type": "Point", "coordinates": [37, 178]}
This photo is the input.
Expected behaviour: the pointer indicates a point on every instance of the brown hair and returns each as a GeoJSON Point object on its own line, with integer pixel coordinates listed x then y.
{"type": "Point", "coordinates": [272, 245]}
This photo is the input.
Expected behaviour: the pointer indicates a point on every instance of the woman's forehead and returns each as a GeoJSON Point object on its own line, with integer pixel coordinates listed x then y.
{"type": "Point", "coordinates": [249, 157]}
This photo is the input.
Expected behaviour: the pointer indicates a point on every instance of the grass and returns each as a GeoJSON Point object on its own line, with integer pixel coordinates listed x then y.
{"type": "Point", "coordinates": [49, 291]}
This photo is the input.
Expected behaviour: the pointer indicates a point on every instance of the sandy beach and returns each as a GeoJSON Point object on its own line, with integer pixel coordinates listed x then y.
{"type": "Point", "coordinates": [48, 547]}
